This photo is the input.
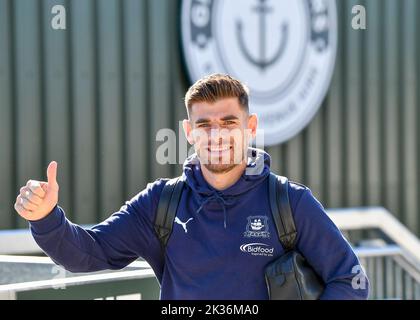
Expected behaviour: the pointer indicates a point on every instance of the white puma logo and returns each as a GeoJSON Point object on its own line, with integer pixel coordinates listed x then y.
{"type": "Point", "coordinates": [183, 224]}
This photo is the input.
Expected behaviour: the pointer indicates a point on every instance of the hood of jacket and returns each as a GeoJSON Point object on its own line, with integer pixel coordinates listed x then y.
{"type": "Point", "coordinates": [257, 170]}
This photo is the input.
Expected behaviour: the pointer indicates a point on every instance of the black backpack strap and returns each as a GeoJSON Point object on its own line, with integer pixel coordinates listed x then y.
{"type": "Point", "coordinates": [278, 189]}
{"type": "Point", "coordinates": [166, 210]}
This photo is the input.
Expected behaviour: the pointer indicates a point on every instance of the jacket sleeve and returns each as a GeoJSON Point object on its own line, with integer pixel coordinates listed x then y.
{"type": "Point", "coordinates": [113, 244]}
{"type": "Point", "coordinates": [328, 252]}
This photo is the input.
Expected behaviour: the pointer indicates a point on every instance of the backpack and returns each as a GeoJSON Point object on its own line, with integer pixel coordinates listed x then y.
{"type": "Point", "coordinates": [290, 276]}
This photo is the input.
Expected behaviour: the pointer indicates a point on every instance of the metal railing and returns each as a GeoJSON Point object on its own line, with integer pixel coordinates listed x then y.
{"type": "Point", "coordinates": [28, 277]}
{"type": "Point", "coordinates": [393, 268]}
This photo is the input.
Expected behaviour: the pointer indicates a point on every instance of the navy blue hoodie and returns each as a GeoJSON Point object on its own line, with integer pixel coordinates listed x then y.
{"type": "Point", "coordinates": [220, 244]}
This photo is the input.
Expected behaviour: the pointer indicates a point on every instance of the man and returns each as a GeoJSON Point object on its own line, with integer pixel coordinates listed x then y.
{"type": "Point", "coordinates": [223, 202]}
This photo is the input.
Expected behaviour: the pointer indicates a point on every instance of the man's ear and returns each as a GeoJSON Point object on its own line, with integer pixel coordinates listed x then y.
{"type": "Point", "coordinates": [253, 124]}
{"type": "Point", "coordinates": [186, 125]}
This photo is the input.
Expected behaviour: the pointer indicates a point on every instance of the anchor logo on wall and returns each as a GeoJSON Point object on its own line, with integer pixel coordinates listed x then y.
{"type": "Point", "coordinates": [284, 50]}
{"type": "Point", "coordinates": [262, 62]}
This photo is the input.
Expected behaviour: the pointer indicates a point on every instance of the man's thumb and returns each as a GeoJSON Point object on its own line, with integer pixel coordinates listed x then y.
{"type": "Point", "coordinates": [52, 173]}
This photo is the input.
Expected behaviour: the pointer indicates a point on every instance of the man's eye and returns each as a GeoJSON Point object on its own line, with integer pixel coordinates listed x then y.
{"type": "Point", "coordinates": [229, 123]}
{"type": "Point", "coordinates": [203, 125]}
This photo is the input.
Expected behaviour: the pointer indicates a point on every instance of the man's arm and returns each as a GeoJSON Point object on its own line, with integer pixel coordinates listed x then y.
{"type": "Point", "coordinates": [112, 244]}
{"type": "Point", "coordinates": [328, 252]}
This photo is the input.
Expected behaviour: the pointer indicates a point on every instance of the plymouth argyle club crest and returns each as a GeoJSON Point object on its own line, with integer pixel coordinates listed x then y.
{"type": "Point", "coordinates": [283, 50]}
{"type": "Point", "coordinates": [257, 227]}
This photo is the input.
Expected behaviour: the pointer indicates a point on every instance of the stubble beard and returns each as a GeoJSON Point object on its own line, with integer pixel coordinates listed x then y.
{"type": "Point", "coordinates": [219, 167]}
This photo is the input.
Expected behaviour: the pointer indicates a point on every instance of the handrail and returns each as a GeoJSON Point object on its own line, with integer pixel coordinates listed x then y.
{"type": "Point", "coordinates": [378, 217]}
{"type": "Point", "coordinates": [78, 280]}
{"type": "Point", "coordinates": [20, 241]}
{"type": "Point", "coordinates": [135, 270]}
{"type": "Point", "coordinates": [368, 252]}
{"type": "Point", "coordinates": [393, 251]}
{"type": "Point", "coordinates": [48, 260]}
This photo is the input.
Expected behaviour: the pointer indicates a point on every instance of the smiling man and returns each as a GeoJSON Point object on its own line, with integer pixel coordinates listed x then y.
{"type": "Point", "coordinates": [223, 235]}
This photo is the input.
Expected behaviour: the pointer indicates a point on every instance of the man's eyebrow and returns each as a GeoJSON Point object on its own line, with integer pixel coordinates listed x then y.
{"type": "Point", "coordinates": [225, 118]}
{"type": "Point", "coordinates": [201, 120]}
{"type": "Point", "coordinates": [229, 117]}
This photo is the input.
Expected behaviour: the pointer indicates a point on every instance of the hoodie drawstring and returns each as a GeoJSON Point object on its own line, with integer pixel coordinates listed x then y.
{"type": "Point", "coordinates": [218, 197]}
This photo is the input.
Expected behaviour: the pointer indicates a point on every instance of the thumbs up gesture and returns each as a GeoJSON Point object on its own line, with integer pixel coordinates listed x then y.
{"type": "Point", "coordinates": [37, 199]}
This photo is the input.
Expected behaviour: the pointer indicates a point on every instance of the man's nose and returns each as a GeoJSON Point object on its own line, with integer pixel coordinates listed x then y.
{"type": "Point", "coordinates": [219, 135]}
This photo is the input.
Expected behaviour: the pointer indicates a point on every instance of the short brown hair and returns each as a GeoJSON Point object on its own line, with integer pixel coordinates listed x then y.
{"type": "Point", "coordinates": [215, 87]}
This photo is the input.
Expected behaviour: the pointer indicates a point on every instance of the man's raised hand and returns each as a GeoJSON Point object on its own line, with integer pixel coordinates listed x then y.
{"type": "Point", "coordinates": [37, 199]}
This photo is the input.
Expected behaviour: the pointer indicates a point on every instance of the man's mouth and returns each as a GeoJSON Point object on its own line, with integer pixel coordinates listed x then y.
{"type": "Point", "coordinates": [219, 148]}
{"type": "Point", "coordinates": [217, 152]}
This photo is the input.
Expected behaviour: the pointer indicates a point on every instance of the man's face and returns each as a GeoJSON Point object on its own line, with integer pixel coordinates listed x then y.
{"type": "Point", "coordinates": [220, 133]}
